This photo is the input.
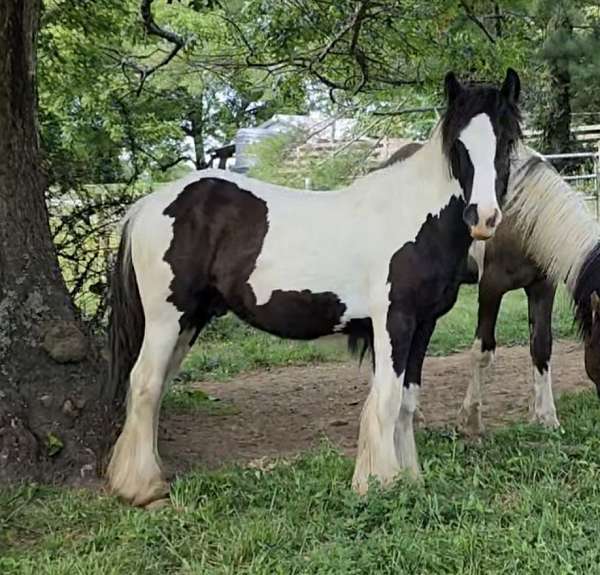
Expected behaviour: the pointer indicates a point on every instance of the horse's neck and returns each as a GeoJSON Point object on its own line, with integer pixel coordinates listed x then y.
{"type": "Point", "coordinates": [425, 174]}
{"type": "Point", "coordinates": [558, 231]}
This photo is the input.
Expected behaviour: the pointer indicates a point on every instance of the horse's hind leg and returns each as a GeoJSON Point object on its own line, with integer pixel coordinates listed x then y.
{"type": "Point", "coordinates": [540, 298]}
{"type": "Point", "coordinates": [134, 472]}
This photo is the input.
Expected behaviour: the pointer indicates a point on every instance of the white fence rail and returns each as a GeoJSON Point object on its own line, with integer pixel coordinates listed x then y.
{"type": "Point", "coordinates": [581, 182]}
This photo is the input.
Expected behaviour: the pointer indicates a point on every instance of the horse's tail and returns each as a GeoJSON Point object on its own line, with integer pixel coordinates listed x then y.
{"type": "Point", "coordinates": [126, 324]}
{"type": "Point", "coordinates": [360, 339]}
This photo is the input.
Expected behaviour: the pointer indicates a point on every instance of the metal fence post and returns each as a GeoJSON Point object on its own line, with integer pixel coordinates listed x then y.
{"type": "Point", "coordinates": [597, 170]}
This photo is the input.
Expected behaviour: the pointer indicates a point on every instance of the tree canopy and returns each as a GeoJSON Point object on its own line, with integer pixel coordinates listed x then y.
{"type": "Point", "coordinates": [122, 84]}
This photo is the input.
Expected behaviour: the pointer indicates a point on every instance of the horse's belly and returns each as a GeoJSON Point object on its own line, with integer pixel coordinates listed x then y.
{"type": "Point", "coordinates": [303, 314]}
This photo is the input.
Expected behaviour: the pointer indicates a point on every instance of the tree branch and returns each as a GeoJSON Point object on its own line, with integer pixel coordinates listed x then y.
{"type": "Point", "coordinates": [153, 29]}
{"type": "Point", "coordinates": [471, 16]}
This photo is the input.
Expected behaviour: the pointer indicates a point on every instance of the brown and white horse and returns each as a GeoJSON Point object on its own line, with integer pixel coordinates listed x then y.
{"type": "Point", "coordinates": [550, 237]}
{"type": "Point", "coordinates": [303, 265]}
{"type": "Point", "coordinates": [547, 236]}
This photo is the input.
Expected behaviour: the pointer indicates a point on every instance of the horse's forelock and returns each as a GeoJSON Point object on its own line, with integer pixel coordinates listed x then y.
{"type": "Point", "coordinates": [504, 115]}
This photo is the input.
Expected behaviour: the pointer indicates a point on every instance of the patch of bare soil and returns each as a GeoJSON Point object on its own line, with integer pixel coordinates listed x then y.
{"type": "Point", "coordinates": [283, 411]}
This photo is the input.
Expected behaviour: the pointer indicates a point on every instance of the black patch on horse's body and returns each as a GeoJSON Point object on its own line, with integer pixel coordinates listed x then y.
{"type": "Point", "coordinates": [425, 276]}
{"type": "Point", "coordinates": [588, 281]}
{"type": "Point", "coordinates": [424, 273]}
{"type": "Point", "coordinates": [296, 314]}
{"type": "Point", "coordinates": [421, 271]}
{"type": "Point", "coordinates": [218, 234]}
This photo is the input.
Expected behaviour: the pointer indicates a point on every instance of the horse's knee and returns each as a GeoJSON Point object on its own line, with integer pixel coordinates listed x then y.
{"type": "Point", "coordinates": [541, 350]}
{"type": "Point", "coordinates": [410, 400]}
{"type": "Point", "coordinates": [483, 353]}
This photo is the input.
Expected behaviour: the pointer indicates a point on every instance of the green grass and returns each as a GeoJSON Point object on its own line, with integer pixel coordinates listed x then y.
{"type": "Point", "coordinates": [228, 346]}
{"type": "Point", "coordinates": [524, 501]}
{"type": "Point", "coordinates": [455, 331]}
{"type": "Point", "coordinates": [185, 398]}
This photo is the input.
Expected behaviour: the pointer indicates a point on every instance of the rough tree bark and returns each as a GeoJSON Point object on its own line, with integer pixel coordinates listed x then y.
{"type": "Point", "coordinates": [51, 422]}
{"type": "Point", "coordinates": [197, 132]}
{"type": "Point", "coordinates": [556, 137]}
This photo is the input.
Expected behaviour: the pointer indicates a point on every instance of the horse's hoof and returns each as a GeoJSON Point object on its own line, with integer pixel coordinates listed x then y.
{"type": "Point", "coordinates": [156, 491]}
{"type": "Point", "coordinates": [547, 420]}
{"type": "Point", "coordinates": [470, 424]}
{"type": "Point", "coordinates": [158, 504]}
{"type": "Point", "coordinates": [360, 487]}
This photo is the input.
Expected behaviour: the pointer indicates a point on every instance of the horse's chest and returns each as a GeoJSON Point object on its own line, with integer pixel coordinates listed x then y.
{"type": "Point", "coordinates": [424, 274]}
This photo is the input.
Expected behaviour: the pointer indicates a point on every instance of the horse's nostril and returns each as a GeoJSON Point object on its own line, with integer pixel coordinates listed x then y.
{"type": "Point", "coordinates": [470, 215]}
{"type": "Point", "coordinates": [491, 221]}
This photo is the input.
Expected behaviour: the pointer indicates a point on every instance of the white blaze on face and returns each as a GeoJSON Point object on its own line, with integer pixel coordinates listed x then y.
{"type": "Point", "coordinates": [480, 141]}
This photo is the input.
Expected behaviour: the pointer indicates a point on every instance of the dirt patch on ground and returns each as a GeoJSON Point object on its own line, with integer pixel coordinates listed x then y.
{"type": "Point", "coordinates": [287, 410]}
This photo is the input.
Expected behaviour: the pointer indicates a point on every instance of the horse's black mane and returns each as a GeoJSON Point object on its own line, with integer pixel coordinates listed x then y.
{"type": "Point", "coordinates": [399, 155]}
{"type": "Point", "coordinates": [587, 282]}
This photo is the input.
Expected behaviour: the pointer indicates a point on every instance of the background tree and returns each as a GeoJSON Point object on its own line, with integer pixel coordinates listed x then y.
{"type": "Point", "coordinates": [48, 368]}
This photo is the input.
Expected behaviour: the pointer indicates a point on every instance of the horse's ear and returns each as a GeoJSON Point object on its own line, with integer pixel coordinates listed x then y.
{"type": "Point", "coordinates": [595, 301]}
{"type": "Point", "coordinates": [452, 87]}
{"type": "Point", "coordinates": [511, 87]}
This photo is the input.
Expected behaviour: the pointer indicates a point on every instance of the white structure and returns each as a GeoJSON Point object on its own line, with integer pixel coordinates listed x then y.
{"type": "Point", "coordinates": [318, 127]}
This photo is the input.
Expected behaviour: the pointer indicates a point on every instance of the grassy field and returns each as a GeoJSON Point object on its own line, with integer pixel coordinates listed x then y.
{"type": "Point", "coordinates": [524, 501]}
{"type": "Point", "coordinates": [228, 346]}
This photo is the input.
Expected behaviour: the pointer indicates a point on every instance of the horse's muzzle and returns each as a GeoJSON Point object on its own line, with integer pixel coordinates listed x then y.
{"type": "Point", "coordinates": [482, 223]}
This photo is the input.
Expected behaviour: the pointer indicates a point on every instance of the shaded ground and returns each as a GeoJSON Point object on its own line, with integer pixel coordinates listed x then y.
{"type": "Point", "coordinates": [287, 410]}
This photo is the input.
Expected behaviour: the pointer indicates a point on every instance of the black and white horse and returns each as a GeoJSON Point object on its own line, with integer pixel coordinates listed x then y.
{"type": "Point", "coordinates": [304, 264]}
{"type": "Point", "coordinates": [547, 236]}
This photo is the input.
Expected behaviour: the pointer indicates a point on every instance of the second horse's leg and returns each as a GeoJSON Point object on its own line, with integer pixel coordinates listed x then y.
{"type": "Point", "coordinates": [540, 297]}
{"type": "Point", "coordinates": [482, 354]}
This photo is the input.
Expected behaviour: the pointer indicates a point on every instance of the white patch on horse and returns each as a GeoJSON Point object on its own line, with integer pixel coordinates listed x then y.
{"type": "Point", "coordinates": [359, 230]}
{"type": "Point", "coordinates": [404, 434]}
{"type": "Point", "coordinates": [376, 453]}
{"type": "Point", "coordinates": [134, 470]}
{"type": "Point", "coordinates": [477, 252]}
{"type": "Point", "coordinates": [541, 202]}
{"type": "Point", "coordinates": [480, 141]}
{"type": "Point", "coordinates": [544, 410]}
{"type": "Point", "coordinates": [470, 413]}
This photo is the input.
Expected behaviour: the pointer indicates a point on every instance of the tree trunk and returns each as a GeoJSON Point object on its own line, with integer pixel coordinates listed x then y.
{"type": "Point", "coordinates": [196, 119]}
{"type": "Point", "coordinates": [50, 420]}
{"type": "Point", "coordinates": [557, 125]}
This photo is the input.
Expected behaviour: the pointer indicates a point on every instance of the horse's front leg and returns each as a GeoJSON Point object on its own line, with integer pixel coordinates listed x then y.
{"type": "Point", "coordinates": [377, 457]}
{"type": "Point", "coordinates": [405, 439]}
